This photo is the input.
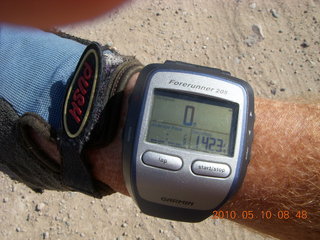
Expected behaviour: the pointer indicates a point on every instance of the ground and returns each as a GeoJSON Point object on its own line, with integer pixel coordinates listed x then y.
{"type": "Point", "coordinates": [274, 45]}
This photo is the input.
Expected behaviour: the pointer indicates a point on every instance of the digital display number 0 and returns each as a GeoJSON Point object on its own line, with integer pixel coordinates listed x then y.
{"type": "Point", "coordinates": [188, 115]}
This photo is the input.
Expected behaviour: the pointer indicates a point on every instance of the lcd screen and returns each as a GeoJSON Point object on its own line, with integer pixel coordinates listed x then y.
{"type": "Point", "coordinates": [188, 121]}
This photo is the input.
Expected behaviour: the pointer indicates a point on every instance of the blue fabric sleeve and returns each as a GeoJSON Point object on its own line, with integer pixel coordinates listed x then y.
{"type": "Point", "coordinates": [34, 69]}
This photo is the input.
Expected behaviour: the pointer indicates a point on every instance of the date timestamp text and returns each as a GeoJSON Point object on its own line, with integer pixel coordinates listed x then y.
{"type": "Point", "coordinates": [268, 214]}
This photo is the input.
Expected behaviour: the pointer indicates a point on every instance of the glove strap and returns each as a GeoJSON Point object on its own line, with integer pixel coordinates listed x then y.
{"type": "Point", "coordinates": [86, 114]}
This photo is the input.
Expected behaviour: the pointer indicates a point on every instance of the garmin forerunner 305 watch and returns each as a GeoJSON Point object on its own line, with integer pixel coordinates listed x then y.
{"type": "Point", "coordinates": [187, 139]}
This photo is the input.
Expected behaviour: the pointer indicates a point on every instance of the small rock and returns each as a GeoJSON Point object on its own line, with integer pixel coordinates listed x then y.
{"type": "Point", "coordinates": [282, 89]}
{"type": "Point", "coordinates": [124, 225]}
{"type": "Point", "coordinates": [45, 235]}
{"type": "Point", "coordinates": [273, 91]}
{"type": "Point", "coordinates": [161, 231]}
{"type": "Point", "coordinates": [256, 37]}
{"type": "Point", "coordinates": [253, 5]}
{"type": "Point", "coordinates": [305, 44]}
{"type": "Point", "coordinates": [312, 62]}
{"type": "Point", "coordinates": [270, 83]}
{"type": "Point", "coordinates": [257, 29]}
{"type": "Point", "coordinates": [40, 207]}
{"type": "Point", "coordinates": [274, 13]}
{"type": "Point", "coordinates": [171, 225]}
{"type": "Point", "coordinates": [18, 229]}
{"type": "Point", "coordinates": [82, 235]}
{"type": "Point", "coordinates": [5, 200]}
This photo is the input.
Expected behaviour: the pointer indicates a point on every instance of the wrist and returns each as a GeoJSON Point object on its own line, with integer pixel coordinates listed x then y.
{"type": "Point", "coordinates": [106, 162]}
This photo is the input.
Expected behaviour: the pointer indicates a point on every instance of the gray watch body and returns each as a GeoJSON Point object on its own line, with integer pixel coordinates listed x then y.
{"type": "Point", "coordinates": [187, 139]}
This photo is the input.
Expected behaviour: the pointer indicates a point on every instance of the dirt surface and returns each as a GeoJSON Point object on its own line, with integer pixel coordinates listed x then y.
{"type": "Point", "coordinates": [274, 45]}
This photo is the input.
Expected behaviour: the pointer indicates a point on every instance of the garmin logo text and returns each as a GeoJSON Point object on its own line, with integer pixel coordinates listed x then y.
{"type": "Point", "coordinates": [177, 201]}
{"type": "Point", "coordinates": [189, 85]}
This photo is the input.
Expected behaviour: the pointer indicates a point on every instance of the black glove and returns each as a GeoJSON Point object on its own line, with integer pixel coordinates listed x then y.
{"type": "Point", "coordinates": [90, 117]}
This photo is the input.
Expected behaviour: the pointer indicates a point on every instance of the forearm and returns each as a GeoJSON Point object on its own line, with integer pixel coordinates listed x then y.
{"type": "Point", "coordinates": [284, 173]}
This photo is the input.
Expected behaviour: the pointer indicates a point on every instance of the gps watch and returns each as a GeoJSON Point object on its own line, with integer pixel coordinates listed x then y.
{"type": "Point", "coordinates": [187, 139]}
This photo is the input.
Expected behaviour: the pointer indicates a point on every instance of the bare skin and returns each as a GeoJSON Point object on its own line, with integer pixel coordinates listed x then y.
{"type": "Point", "coordinates": [284, 173]}
{"type": "Point", "coordinates": [48, 14]}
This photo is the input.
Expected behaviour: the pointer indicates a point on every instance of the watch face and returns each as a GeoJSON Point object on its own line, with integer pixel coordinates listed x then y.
{"type": "Point", "coordinates": [193, 122]}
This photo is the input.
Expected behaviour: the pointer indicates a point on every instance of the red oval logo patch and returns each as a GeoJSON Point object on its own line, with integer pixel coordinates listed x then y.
{"type": "Point", "coordinates": [81, 92]}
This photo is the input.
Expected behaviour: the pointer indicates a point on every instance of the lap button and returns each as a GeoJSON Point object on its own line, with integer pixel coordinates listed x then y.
{"type": "Point", "coordinates": [162, 160]}
{"type": "Point", "coordinates": [210, 169]}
